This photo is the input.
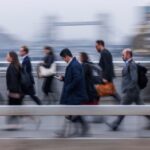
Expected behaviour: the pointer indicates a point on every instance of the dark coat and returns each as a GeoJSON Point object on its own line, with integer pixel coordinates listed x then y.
{"type": "Point", "coordinates": [26, 64]}
{"type": "Point", "coordinates": [48, 60]}
{"type": "Point", "coordinates": [106, 63]}
{"type": "Point", "coordinates": [74, 90]}
{"type": "Point", "coordinates": [13, 79]}
{"type": "Point", "coordinates": [89, 81]}
{"type": "Point", "coordinates": [47, 83]}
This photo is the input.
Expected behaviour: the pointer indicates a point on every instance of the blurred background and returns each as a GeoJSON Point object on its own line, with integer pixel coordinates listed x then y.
{"type": "Point", "coordinates": [75, 24]}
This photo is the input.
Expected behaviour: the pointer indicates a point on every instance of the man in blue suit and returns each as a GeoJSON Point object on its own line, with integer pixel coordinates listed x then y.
{"type": "Point", "coordinates": [26, 64]}
{"type": "Point", "coordinates": [74, 90]}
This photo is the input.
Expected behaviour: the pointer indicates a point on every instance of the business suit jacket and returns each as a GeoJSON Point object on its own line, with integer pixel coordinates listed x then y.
{"type": "Point", "coordinates": [106, 63]}
{"type": "Point", "coordinates": [74, 90]}
{"type": "Point", "coordinates": [26, 64]}
{"type": "Point", "coordinates": [130, 78]}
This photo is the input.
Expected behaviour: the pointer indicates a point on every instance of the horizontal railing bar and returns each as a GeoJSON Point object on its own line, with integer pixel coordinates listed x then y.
{"type": "Point", "coordinates": [62, 62]}
{"type": "Point", "coordinates": [62, 110]}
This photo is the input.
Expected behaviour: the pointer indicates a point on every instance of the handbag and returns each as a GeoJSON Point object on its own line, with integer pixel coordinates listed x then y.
{"type": "Point", "coordinates": [46, 72]}
{"type": "Point", "coordinates": [106, 89]}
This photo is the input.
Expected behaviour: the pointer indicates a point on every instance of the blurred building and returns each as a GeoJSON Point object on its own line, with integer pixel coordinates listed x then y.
{"type": "Point", "coordinates": [141, 41]}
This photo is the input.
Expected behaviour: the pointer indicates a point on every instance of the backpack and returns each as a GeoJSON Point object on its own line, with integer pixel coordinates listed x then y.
{"type": "Point", "coordinates": [142, 78]}
{"type": "Point", "coordinates": [25, 79]}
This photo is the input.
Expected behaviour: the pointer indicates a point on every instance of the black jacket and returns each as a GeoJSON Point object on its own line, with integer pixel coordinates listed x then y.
{"type": "Point", "coordinates": [106, 63]}
{"type": "Point", "coordinates": [89, 81]}
{"type": "Point", "coordinates": [13, 79]}
{"type": "Point", "coordinates": [48, 60]}
{"type": "Point", "coordinates": [47, 83]}
{"type": "Point", "coordinates": [26, 64]}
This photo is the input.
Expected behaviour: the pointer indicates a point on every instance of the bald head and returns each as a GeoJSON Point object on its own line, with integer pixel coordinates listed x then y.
{"type": "Point", "coordinates": [127, 54]}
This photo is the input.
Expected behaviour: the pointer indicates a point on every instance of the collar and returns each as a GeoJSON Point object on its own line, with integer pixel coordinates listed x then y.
{"type": "Point", "coordinates": [127, 61]}
{"type": "Point", "coordinates": [24, 56]}
{"type": "Point", "coordinates": [70, 61]}
{"type": "Point", "coordinates": [102, 50]}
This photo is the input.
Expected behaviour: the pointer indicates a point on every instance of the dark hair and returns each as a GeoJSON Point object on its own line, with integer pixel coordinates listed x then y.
{"type": "Point", "coordinates": [50, 49]}
{"type": "Point", "coordinates": [84, 56]}
{"type": "Point", "coordinates": [65, 52]}
{"type": "Point", "coordinates": [15, 60]}
{"type": "Point", "coordinates": [26, 49]}
{"type": "Point", "coordinates": [100, 42]}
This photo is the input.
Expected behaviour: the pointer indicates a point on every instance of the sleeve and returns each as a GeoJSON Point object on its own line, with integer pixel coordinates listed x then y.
{"type": "Point", "coordinates": [133, 76]}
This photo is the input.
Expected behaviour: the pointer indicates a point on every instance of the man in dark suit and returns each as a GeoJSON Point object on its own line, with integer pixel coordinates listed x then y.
{"type": "Point", "coordinates": [106, 63]}
{"type": "Point", "coordinates": [130, 87]}
{"type": "Point", "coordinates": [74, 90]}
{"type": "Point", "coordinates": [26, 65]}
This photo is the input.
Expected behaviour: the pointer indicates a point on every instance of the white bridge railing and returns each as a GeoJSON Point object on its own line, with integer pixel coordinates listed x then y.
{"type": "Point", "coordinates": [62, 110]}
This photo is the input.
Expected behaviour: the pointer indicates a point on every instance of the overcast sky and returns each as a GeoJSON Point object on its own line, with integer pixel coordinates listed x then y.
{"type": "Point", "coordinates": [24, 18]}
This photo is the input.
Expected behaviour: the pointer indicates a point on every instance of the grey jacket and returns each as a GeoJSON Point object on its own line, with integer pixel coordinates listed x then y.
{"type": "Point", "coordinates": [130, 78]}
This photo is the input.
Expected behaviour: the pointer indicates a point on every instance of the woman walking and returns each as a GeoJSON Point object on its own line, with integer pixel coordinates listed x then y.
{"type": "Point", "coordinates": [13, 82]}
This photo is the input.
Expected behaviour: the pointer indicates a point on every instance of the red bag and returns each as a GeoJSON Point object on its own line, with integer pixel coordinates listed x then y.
{"type": "Point", "coordinates": [106, 89]}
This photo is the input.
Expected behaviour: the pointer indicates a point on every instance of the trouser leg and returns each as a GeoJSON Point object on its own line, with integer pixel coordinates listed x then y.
{"type": "Point", "coordinates": [36, 99]}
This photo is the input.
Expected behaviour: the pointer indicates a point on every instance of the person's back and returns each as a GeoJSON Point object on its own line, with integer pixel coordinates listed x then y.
{"type": "Point", "coordinates": [106, 63]}
{"type": "Point", "coordinates": [89, 70]}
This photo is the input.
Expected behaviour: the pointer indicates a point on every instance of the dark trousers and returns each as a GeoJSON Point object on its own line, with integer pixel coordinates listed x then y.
{"type": "Point", "coordinates": [31, 92]}
{"type": "Point", "coordinates": [36, 99]}
{"type": "Point", "coordinates": [128, 99]}
{"type": "Point", "coordinates": [81, 121]}
{"type": "Point", "coordinates": [117, 98]}
{"type": "Point", "coordinates": [14, 101]}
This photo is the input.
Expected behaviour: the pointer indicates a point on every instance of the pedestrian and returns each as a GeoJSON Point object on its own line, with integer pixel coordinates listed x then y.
{"type": "Point", "coordinates": [13, 76]}
{"type": "Point", "coordinates": [27, 67]}
{"type": "Point", "coordinates": [74, 89]}
{"type": "Point", "coordinates": [88, 68]}
{"type": "Point", "coordinates": [48, 60]}
{"type": "Point", "coordinates": [130, 87]}
{"type": "Point", "coordinates": [106, 63]}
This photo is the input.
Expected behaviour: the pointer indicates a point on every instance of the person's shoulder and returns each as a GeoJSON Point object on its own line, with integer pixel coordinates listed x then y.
{"type": "Point", "coordinates": [11, 67]}
{"type": "Point", "coordinates": [106, 51]}
{"type": "Point", "coordinates": [75, 63]}
{"type": "Point", "coordinates": [132, 64]}
{"type": "Point", "coordinates": [27, 59]}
